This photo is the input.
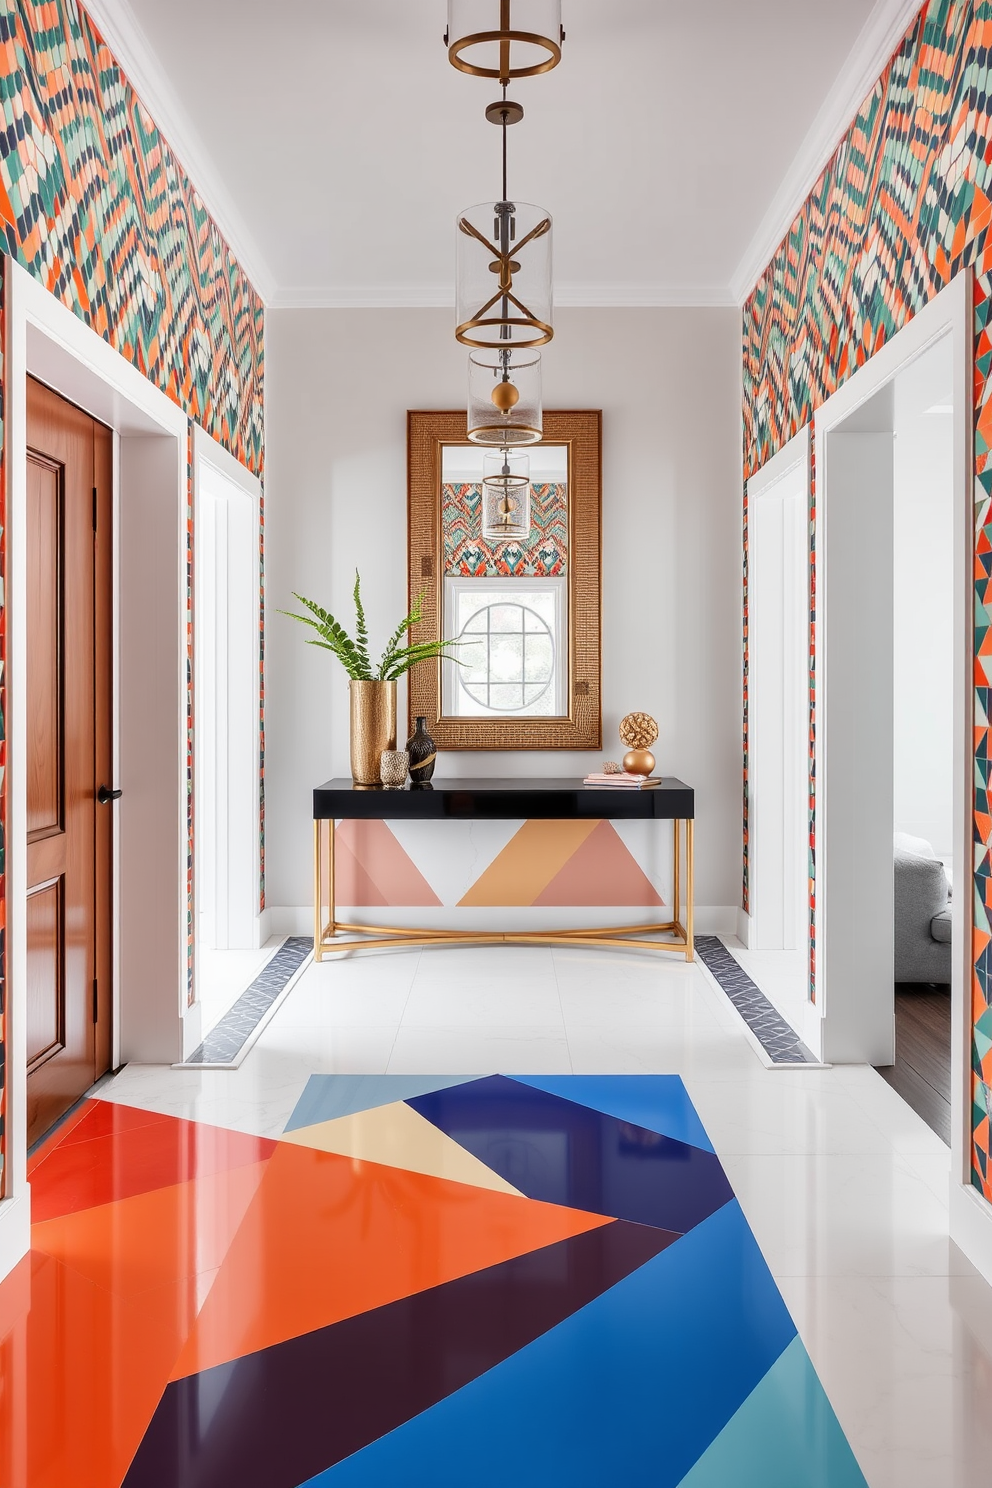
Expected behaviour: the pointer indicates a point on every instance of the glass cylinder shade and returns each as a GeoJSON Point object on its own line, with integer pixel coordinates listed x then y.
{"type": "Point", "coordinates": [504, 39]}
{"type": "Point", "coordinates": [506, 495]}
{"type": "Point", "coordinates": [504, 398]}
{"type": "Point", "coordinates": [503, 276]}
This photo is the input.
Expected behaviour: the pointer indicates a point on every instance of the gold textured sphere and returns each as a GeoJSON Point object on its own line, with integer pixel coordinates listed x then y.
{"type": "Point", "coordinates": [612, 768]}
{"type": "Point", "coordinates": [505, 396]}
{"type": "Point", "coordinates": [638, 762]}
{"type": "Point", "coordinates": [638, 731]}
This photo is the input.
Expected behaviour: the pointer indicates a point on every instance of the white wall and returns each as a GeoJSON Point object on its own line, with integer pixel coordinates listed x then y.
{"type": "Point", "coordinates": [338, 385]}
{"type": "Point", "coordinates": [923, 597]}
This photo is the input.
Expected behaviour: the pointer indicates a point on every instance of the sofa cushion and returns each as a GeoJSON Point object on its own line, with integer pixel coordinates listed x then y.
{"type": "Point", "coordinates": [918, 846]}
{"type": "Point", "coordinates": [940, 927]}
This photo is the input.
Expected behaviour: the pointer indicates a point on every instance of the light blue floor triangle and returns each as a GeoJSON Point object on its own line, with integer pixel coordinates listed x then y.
{"type": "Point", "coordinates": [658, 1102]}
{"type": "Point", "coordinates": [630, 1390]}
{"type": "Point", "coordinates": [785, 1435]}
{"type": "Point", "coordinates": [328, 1096]}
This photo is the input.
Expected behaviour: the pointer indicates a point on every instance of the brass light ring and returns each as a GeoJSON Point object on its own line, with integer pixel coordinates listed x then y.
{"type": "Point", "coordinates": [479, 37]}
{"type": "Point", "coordinates": [505, 434]}
{"type": "Point", "coordinates": [462, 334]}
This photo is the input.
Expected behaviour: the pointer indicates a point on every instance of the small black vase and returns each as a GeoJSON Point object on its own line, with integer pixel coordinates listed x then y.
{"type": "Point", "coordinates": [423, 754]}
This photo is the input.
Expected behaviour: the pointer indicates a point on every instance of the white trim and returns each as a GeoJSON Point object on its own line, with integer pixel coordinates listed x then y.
{"type": "Point", "coordinates": [971, 1226]}
{"type": "Point", "coordinates": [120, 29]}
{"type": "Point", "coordinates": [880, 36]}
{"type": "Point", "coordinates": [776, 914]}
{"type": "Point", "coordinates": [442, 296]}
{"type": "Point", "coordinates": [743, 931]}
{"type": "Point", "coordinates": [796, 452]}
{"type": "Point", "coordinates": [208, 451]}
{"type": "Point", "coordinates": [948, 313]}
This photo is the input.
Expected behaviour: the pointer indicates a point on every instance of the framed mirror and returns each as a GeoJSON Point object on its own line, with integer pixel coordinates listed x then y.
{"type": "Point", "coordinates": [511, 569]}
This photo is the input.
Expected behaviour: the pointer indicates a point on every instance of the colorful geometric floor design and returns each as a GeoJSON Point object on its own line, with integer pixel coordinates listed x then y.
{"type": "Point", "coordinates": [425, 1281]}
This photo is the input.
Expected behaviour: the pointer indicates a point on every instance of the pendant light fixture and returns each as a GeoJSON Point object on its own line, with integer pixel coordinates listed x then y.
{"type": "Point", "coordinates": [506, 496]}
{"type": "Point", "coordinates": [504, 398]}
{"type": "Point", "coordinates": [504, 288]}
{"type": "Point", "coordinates": [503, 276]}
{"type": "Point", "coordinates": [504, 39]}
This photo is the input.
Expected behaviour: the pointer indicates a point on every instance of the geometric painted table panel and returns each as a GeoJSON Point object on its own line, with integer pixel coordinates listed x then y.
{"type": "Point", "coordinates": [426, 1281]}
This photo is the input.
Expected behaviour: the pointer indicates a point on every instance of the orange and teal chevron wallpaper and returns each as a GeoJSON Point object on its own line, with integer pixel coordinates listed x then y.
{"type": "Point", "coordinates": [903, 206]}
{"type": "Point", "coordinates": [95, 205]}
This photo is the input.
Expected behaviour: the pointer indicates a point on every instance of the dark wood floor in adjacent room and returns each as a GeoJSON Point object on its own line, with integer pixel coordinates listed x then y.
{"type": "Point", "coordinates": [922, 1071]}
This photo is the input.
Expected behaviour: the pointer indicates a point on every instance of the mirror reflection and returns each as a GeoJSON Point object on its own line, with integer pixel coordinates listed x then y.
{"type": "Point", "coordinates": [505, 528]}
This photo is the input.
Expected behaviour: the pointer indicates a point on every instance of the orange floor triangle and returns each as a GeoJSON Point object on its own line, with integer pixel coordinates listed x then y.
{"type": "Point", "coordinates": [114, 1291]}
{"type": "Point", "coordinates": [602, 871]}
{"type": "Point", "coordinates": [372, 868]}
{"type": "Point", "coordinates": [328, 1237]}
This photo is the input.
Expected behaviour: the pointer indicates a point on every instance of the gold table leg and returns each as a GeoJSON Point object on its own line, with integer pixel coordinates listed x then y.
{"type": "Point", "coordinates": [318, 894]}
{"type": "Point", "coordinates": [690, 888]}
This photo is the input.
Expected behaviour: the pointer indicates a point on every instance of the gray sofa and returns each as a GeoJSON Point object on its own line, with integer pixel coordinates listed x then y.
{"type": "Point", "coordinates": [922, 912]}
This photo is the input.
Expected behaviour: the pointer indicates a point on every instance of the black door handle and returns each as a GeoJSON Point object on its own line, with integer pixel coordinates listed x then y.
{"type": "Point", "coordinates": [104, 795]}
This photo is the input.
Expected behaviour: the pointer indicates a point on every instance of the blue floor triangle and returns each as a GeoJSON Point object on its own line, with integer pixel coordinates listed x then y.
{"type": "Point", "coordinates": [658, 1102]}
{"type": "Point", "coordinates": [785, 1435]}
{"type": "Point", "coordinates": [326, 1097]}
{"type": "Point", "coordinates": [562, 1152]}
{"type": "Point", "coordinates": [630, 1390]}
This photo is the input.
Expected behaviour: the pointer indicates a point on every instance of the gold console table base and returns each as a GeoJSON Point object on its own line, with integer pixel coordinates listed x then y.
{"type": "Point", "coordinates": [327, 932]}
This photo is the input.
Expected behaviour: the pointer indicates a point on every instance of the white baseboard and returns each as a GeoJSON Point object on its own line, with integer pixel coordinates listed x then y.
{"type": "Point", "coordinates": [15, 1230]}
{"type": "Point", "coordinates": [298, 919]}
{"type": "Point", "coordinates": [744, 929]}
{"type": "Point", "coordinates": [971, 1226]}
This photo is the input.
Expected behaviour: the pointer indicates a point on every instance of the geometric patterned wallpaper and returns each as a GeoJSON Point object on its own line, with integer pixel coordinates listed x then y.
{"type": "Point", "coordinates": [96, 207]}
{"type": "Point", "coordinates": [904, 205]}
{"type": "Point", "coordinates": [467, 553]}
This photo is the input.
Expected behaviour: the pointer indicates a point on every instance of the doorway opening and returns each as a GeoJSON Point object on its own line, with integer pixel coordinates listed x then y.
{"type": "Point", "coordinates": [228, 953]}
{"type": "Point", "coordinates": [68, 719]}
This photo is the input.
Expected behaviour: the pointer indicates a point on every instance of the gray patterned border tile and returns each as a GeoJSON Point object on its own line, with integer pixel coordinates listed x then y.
{"type": "Point", "coordinates": [778, 1038]}
{"type": "Point", "coordinates": [224, 1043]}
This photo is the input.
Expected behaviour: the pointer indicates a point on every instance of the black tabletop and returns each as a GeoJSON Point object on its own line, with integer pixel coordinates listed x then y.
{"type": "Point", "coordinates": [549, 800]}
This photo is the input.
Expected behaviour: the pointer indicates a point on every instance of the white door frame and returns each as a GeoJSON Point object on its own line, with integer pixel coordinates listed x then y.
{"type": "Point", "coordinates": [949, 313]}
{"type": "Point", "coordinates": [210, 455]}
{"type": "Point", "coordinates": [774, 887]}
{"type": "Point", "coordinates": [151, 1020]}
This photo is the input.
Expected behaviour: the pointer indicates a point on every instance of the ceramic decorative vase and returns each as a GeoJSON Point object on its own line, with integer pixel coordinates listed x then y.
{"type": "Point", "coordinates": [393, 767]}
{"type": "Point", "coordinates": [373, 728]}
{"type": "Point", "coordinates": [423, 753]}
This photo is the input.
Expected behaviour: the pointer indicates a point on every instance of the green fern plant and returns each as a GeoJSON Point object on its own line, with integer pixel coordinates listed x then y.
{"type": "Point", "coordinates": [354, 654]}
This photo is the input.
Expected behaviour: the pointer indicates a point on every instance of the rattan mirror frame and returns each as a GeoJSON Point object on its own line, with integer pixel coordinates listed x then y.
{"type": "Point", "coordinates": [582, 728]}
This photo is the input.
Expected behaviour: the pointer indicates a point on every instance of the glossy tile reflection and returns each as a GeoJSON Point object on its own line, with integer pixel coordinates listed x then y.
{"type": "Point", "coordinates": [540, 1280]}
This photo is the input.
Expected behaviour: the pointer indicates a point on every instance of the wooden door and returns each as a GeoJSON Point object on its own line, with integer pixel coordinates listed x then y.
{"type": "Point", "coordinates": [69, 756]}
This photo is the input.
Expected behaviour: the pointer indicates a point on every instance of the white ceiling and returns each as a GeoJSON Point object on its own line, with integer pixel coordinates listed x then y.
{"type": "Point", "coordinates": [334, 143]}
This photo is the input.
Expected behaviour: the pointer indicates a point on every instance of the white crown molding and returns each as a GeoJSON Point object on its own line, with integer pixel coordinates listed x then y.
{"type": "Point", "coordinates": [441, 297]}
{"type": "Point", "coordinates": [118, 25]}
{"type": "Point", "coordinates": [879, 37]}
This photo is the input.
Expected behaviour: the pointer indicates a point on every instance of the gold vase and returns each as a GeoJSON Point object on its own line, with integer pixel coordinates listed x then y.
{"type": "Point", "coordinates": [373, 728]}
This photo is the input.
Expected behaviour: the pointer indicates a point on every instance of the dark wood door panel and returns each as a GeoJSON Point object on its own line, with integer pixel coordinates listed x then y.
{"type": "Point", "coordinates": [45, 1026]}
{"type": "Point", "coordinates": [68, 724]}
{"type": "Point", "coordinates": [44, 646]}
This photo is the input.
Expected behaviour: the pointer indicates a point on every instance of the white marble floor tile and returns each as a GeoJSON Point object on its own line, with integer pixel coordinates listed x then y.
{"type": "Point", "coordinates": [460, 1050]}
{"type": "Point", "coordinates": [843, 1215]}
{"type": "Point", "coordinates": [905, 1372]}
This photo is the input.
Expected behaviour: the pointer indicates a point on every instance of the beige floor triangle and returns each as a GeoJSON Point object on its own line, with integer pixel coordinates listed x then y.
{"type": "Point", "coordinates": [400, 1137]}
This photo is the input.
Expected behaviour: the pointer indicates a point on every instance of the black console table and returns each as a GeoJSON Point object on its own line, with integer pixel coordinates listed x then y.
{"type": "Point", "coordinates": [503, 800]}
